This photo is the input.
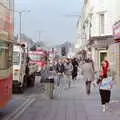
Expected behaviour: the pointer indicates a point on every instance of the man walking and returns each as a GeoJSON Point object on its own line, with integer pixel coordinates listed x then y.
{"type": "Point", "coordinates": [88, 73]}
{"type": "Point", "coordinates": [68, 71]}
{"type": "Point", "coordinates": [60, 71]}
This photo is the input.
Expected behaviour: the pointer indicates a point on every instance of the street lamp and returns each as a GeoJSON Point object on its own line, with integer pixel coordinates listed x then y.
{"type": "Point", "coordinates": [20, 18]}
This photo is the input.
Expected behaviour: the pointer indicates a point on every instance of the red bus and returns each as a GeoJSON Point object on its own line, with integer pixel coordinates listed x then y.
{"type": "Point", "coordinates": [40, 57]}
{"type": "Point", "coordinates": [6, 72]}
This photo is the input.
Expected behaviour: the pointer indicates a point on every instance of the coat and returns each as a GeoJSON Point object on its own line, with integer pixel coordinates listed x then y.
{"type": "Point", "coordinates": [75, 68]}
{"type": "Point", "coordinates": [88, 72]}
{"type": "Point", "coordinates": [60, 68]}
{"type": "Point", "coordinates": [68, 69]}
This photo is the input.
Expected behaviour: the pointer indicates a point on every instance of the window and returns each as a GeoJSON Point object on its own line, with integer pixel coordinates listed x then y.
{"type": "Point", "coordinates": [16, 58]}
{"type": "Point", "coordinates": [101, 23]}
{"type": "Point", "coordinates": [5, 55]}
{"type": "Point", "coordinates": [85, 1]}
{"type": "Point", "coordinates": [35, 57]}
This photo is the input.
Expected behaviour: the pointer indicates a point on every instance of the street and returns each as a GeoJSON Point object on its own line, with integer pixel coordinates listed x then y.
{"type": "Point", "coordinates": [20, 102]}
{"type": "Point", "coordinates": [74, 104]}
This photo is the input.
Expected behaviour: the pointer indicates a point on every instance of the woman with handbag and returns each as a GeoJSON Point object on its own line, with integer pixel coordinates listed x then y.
{"type": "Point", "coordinates": [105, 85]}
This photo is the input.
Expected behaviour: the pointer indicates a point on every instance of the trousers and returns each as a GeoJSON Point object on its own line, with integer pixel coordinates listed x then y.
{"type": "Point", "coordinates": [105, 96]}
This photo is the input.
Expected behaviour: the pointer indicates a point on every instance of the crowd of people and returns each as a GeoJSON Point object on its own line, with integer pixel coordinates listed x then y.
{"type": "Point", "coordinates": [64, 71]}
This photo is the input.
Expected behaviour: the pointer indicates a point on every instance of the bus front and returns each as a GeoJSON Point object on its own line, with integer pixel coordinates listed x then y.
{"type": "Point", "coordinates": [37, 58]}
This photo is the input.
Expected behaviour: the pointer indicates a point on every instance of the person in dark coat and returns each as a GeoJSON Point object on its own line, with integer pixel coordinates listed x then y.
{"type": "Point", "coordinates": [75, 68]}
{"type": "Point", "coordinates": [60, 71]}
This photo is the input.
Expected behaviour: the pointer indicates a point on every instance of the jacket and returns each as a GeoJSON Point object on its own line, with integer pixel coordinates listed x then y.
{"type": "Point", "coordinates": [60, 68]}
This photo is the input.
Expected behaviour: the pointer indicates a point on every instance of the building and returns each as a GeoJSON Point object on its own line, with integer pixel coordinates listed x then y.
{"type": "Point", "coordinates": [95, 32]}
{"type": "Point", "coordinates": [97, 19]}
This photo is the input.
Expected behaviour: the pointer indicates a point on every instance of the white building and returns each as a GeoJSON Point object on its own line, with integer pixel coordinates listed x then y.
{"type": "Point", "coordinates": [96, 28]}
{"type": "Point", "coordinates": [97, 19]}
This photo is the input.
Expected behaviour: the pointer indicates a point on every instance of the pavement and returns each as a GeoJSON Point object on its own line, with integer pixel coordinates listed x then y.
{"type": "Point", "coordinates": [74, 104]}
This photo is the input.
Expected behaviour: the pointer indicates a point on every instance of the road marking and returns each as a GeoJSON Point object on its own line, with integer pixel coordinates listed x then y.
{"type": "Point", "coordinates": [19, 111]}
{"type": "Point", "coordinates": [23, 110]}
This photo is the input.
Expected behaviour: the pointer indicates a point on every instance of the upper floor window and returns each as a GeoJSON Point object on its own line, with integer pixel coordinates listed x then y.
{"type": "Point", "coordinates": [85, 1]}
{"type": "Point", "coordinates": [101, 23]}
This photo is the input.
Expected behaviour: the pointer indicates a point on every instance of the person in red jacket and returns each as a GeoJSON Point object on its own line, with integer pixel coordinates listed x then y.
{"type": "Point", "coordinates": [105, 69]}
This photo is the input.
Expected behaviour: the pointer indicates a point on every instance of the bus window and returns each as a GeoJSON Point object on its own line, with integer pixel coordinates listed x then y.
{"type": "Point", "coordinates": [5, 56]}
{"type": "Point", "coordinates": [16, 58]}
{"type": "Point", "coordinates": [35, 57]}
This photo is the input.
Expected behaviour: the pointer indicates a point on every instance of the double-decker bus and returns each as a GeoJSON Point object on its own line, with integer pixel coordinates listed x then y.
{"type": "Point", "coordinates": [38, 56]}
{"type": "Point", "coordinates": [6, 48]}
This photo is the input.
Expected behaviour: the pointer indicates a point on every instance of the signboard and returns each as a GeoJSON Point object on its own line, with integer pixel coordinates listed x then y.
{"type": "Point", "coordinates": [116, 31]}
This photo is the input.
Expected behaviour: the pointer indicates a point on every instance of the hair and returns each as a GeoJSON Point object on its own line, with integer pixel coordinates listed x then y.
{"type": "Point", "coordinates": [51, 68]}
{"type": "Point", "coordinates": [107, 63]}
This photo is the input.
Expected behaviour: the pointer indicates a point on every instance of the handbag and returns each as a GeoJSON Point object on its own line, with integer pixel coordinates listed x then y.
{"type": "Point", "coordinates": [99, 80]}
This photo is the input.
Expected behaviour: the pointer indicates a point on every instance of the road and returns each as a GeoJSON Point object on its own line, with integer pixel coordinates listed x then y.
{"type": "Point", "coordinates": [74, 104]}
{"type": "Point", "coordinates": [21, 102]}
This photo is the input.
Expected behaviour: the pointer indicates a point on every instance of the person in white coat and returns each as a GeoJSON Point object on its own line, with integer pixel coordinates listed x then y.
{"type": "Point", "coordinates": [68, 71]}
{"type": "Point", "coordinates": [88, 74]}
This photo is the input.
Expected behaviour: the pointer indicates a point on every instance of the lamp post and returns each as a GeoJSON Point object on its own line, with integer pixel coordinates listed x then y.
{"type": "Point", "coordinates": [20, 22]}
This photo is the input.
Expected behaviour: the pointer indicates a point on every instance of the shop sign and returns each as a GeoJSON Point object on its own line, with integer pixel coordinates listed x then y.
{"type": "Point", "coordinates": [116, 31]}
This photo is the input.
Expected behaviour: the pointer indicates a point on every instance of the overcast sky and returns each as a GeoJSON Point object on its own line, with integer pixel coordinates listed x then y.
{"type": "Point", "coordinates": [48, 16]}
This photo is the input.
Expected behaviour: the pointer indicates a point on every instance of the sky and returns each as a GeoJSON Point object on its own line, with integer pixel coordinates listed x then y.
{"type": "Point", "coordinates": [48, 17]}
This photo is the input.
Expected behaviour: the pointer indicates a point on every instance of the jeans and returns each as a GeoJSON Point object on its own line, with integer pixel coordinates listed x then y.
{"type": "Point", "coordinates": [59, 79]}
{"type": "Point", "coordinates": [68, 80]}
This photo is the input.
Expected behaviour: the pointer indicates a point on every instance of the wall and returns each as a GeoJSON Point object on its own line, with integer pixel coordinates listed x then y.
{"type": "Point", "coordinates": [114, 58]}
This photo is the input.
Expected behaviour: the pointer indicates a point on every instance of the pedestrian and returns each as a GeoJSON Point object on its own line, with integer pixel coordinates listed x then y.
{"type": "Point", "coordinates": [60, 71]}
{"type": "Point", "coordinates": [51, 80]}
{"type": "Point", "coordinates": [105, 85]}
{"type": "Point", "coordinates": [88, 74]}
{"type": "Point", "coordinates": [43, 74]}
{"type": "Point", "coordinates": [68, 71]}
{"type": "Point", "coordinates": [75, 69]}
{"type": "Point", "coordinates": [105, 67]}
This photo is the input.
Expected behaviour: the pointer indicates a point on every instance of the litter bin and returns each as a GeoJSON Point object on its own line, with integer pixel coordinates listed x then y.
{"type": "Point", "coordinates": [49, 87]}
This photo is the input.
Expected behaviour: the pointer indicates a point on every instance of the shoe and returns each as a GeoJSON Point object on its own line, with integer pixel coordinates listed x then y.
{"type": "Point", "coordinates": [107, 106]}
{"type": "Point", "coordinates": [103, 108]}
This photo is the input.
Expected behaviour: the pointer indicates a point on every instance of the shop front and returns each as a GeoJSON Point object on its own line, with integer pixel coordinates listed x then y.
{"type": "Point", "coordinates": [99, 49]}
{"type": "Point", "coordinates": [114, 53]}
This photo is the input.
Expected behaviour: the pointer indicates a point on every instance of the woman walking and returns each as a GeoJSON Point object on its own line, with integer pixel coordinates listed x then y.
{"type": "Point", "coordinates": [105, 85]}
{"type": "Point", "coordinates": [75, 69]}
